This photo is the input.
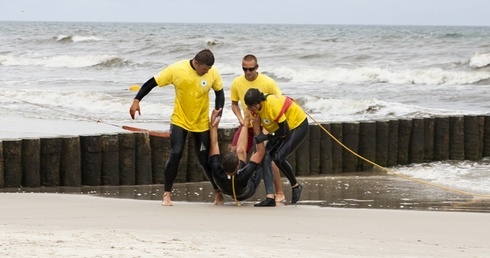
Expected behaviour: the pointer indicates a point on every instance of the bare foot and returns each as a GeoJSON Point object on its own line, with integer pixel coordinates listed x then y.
{"type": "Point", "coordinates": [280, 198]}
{"type": "Point", "coordinates": [166, 199]}
{"type": "Point", "coordinates": [218, 198]}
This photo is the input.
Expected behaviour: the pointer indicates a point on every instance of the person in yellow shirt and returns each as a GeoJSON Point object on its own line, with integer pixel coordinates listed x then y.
{"type": "Point", "coordinates": [192, 79]}
{"type": "Point", "coordinates": [252, 79]}
{"type": "Point", "coordinates": [287, 125]}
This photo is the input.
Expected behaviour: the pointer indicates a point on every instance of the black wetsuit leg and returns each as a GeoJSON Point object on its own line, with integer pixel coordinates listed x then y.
{"type": "Point", "coordinates": [177, 144]}
{"type": "Point", "coordinates": [284, 147]}
{"type": "Point", "coordinates": [267, 174]}
{"type": "Point", "coordinates": [202, 143]}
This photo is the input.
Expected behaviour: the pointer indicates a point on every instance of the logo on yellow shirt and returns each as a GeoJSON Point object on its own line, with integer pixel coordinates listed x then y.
{"type": "Point", "coordinates": [266, 121]}
{"type": "Point", "coordinates": [204, 83]}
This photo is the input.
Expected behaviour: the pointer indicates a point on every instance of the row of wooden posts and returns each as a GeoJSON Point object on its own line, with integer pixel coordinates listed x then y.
{"type": "Point", "coordinates": [138, 158]}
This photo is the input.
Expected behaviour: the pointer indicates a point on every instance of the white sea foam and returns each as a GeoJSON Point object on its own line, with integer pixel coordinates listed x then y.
{"type": "Point", "coordinates": [76, 38]}
{"type": "Point", "coordinates": [480, 60]}
{"type": "Point", "coordinates": [370, 75]}
{"type": "Point", "coordinates": [70, 61]}
{"type": "Point", "coordinates": [466, 175]}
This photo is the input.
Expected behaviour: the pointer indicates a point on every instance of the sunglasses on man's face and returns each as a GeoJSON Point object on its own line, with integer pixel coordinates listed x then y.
{"type": "Point", "coordinates": [250, 69]}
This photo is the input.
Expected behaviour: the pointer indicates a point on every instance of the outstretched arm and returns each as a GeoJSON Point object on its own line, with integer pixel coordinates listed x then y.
{"type": "Point", "coordinates": [219, 102]}
{"type": "Point", "coordinates": [144, 90]}
{"type": "Point", "coordinates": [259, 154]}
{"type": "Point", "coordinates": [213, 133]}
{"type": "Point", "coordinates": [242, 143]}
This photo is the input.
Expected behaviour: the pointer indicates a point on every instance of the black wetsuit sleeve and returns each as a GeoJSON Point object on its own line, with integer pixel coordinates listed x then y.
{"type": "Point", "coordinates": [146, 88]}
{"type": "Point", "coordinates": [220, 100]}
{"type": "Point", "coordinates": [244, 174]}
{"type": "Point", "coordinates": [281, 132]}
{"type": "Point", "coordinates": [215, 165]}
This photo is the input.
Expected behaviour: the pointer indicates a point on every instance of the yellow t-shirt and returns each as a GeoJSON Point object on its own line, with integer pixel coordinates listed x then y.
{"type": "Point", "coordinates": [240, 85]}
{"type": "Point", "coordinates": [271, 108]}
{"type": "Point", "coordinates": [191, 107]}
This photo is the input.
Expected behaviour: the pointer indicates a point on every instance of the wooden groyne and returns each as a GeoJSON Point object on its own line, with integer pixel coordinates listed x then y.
{"type": "Point", "coordinates": [137, 158]}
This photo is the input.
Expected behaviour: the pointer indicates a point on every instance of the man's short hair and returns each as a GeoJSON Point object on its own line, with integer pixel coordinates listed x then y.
{"type": "Point", "coordinates": [230, 162]}
{"type": "Point", "coordinates": [205, 56]}
{"type": "Point", "coordinates": [250, 57]}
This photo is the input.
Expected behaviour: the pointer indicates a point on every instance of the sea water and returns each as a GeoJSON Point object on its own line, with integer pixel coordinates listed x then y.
{"type": "Point", "coordinates": [55, 74]}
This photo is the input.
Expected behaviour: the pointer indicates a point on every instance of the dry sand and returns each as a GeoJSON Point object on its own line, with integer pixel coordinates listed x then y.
{"type": "Point", "coordinates": [69, 225]}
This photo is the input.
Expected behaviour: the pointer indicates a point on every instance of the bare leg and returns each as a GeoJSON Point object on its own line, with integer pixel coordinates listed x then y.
{"type": "Point", "coordinates": [278, 184]}
{"type": "Point", "coordinates": [166, 199]}
{"type": "Point", "coordinates": [218, 197]}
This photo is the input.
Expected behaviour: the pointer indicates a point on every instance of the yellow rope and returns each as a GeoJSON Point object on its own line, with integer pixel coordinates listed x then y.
{"type": "Point", "coordinates": [233, 188]}
{"type": "Point", "coordinates": [394, 173]}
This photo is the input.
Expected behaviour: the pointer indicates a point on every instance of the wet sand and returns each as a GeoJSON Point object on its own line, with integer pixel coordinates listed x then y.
{"type": "Point", "coordinates": [369, 190]}
{"type": "Point", "coordinates": [394, 218]}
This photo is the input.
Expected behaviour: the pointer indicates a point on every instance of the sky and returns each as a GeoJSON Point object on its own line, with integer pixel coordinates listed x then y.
{"type": "Point", "coordinates": [366, 12]}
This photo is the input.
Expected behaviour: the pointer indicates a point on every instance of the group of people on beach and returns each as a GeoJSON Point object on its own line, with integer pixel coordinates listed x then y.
{"type": "Point", "coordinates": [271, 127]}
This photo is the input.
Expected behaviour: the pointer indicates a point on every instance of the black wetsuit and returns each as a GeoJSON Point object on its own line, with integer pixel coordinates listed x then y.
{"type": "Point", "coordinates": [247, 178]}
{"type": "Point", "coordinates": [280, 148]}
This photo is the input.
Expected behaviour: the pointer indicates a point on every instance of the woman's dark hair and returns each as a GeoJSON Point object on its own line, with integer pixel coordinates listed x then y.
{"type": "Point", "coordinates": [253, 96]}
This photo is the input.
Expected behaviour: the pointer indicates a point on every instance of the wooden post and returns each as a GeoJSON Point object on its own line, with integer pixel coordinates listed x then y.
{"type": "Point", "coordinates": [367, 144]}
{"type": "Point", "coordinates": [428, 139]}
{"type": "Point", "coordinates": [417, 141]}
{"type": "Point", "coordinates": [110, 159]}
{"type": "Point", "coordinates": [456, 137]}
{"type": "Point", "coordinates": [160, 151]}
{"type": "Point", "coordinates": [31, 162]}
{"type": "Point", "coordinates": [50, 161]}
{"type": "Point", "coordinates": [127, 159]}
{"type": "Point", "coordinates": [393, 143]}
{"type": "Point", "coordinates": [382, 142]}
{"type": "Point", "coordinates": [472, 139]}
{"type": "Point", "coordinates": [326, 151]}
{"type": "Point", "coordinates": [315, 135]}
{"type": "Point", "coordinates": [143, 158]}
{"type": "Point", "coordinates": [2, 177]}
{"type": "Point", "coordinates": [71, 161]}
{"type": "Point", "coordinates": [336, 130]}
{"type": "Point", "coordinates": [350, 134]}
{"type": "Point", "coordinates": [441, 138]}
{"type": "Point", "coordinates": [225, 138]}
{"type": "Point", "coordinates": [404, 131]}
{"type": "Point", "coordinates": [91, 154]}
{"type": "Point", "coordinates": [12, 162]}
{"type": "Point", "coordinates": [486, 136]}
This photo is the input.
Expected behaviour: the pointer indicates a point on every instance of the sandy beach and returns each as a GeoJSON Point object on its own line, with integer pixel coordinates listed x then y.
{"type": "Point", "coordinates": [68, 225]}
{"type": "Point", "coordinates": [394, 218]}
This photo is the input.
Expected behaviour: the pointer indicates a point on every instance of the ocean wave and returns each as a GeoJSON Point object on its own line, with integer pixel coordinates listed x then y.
{"type": "Point", "coordinates": [372, 75]}
{"type": "Point", "coordinates": [346, 110]}
{"type": "Point", "coordinates": [213, 42]}
{"type": "Point", "coordinates": [480, 60]}
{"type": "Point", "coordinates": [65, 61]}
{"type": "Point", "coordinates": [76, 38]}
